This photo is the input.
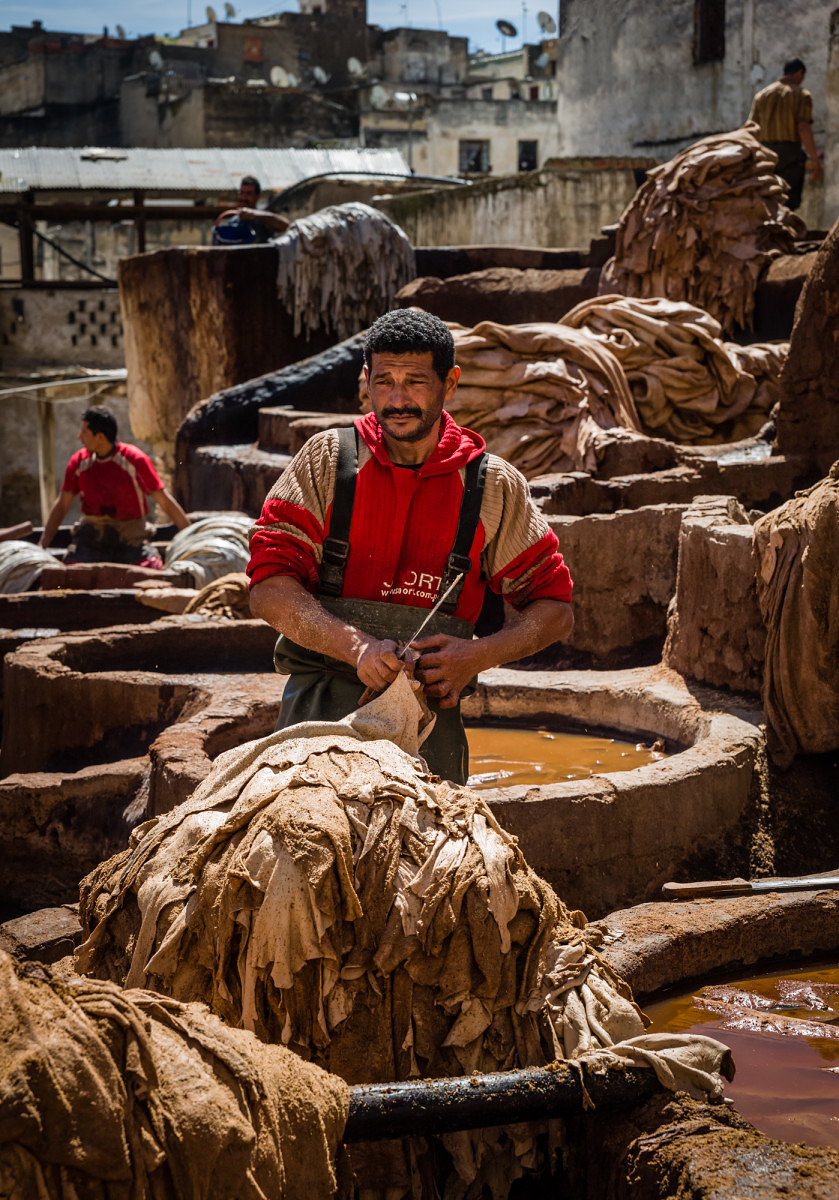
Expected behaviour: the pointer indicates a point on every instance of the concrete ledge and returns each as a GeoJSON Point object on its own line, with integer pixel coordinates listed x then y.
{"type": "Point", "coordinates": [675, 942]}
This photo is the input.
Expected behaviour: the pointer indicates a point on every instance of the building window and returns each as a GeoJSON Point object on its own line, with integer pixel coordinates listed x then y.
{"type": "Point", "coordinates": [486, 93]}
{"type": "Point", "coordinates": [528, 156]}
{"type": "Point", "coordinates": [708, 30]}
{"type": "Point", "coordinates": [252, 50]}
{"type": "Point", "coordinates": [534, 92]}
{"type": "Point", "coordinates": [473, 158]}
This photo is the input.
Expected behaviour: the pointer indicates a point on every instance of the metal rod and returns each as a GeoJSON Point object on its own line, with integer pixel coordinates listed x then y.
{"type": "Point", "coordinates": [46, 456]}
{"type": "Point", "coordinates": [379, 1111]}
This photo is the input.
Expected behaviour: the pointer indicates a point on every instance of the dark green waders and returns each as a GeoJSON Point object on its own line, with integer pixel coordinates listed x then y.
{"type": "Point", "coordinates": [323, 688]}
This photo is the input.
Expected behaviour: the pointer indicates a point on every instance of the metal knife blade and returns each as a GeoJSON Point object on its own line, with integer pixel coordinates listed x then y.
{"type": "Point", "coordinates": [437, 604]}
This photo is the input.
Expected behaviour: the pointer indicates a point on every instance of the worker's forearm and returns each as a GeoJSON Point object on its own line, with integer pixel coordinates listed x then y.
{"type": "Point", "coordinates": [805, 132]}
{"type": "Point", "coordinates": [540, 624]}
{"type": "Point", "coordinates": [172, 509]}
{"type": "Point", "coordinates": [56, 515]}
{"type": "Point", "coordinates": [286, 605]}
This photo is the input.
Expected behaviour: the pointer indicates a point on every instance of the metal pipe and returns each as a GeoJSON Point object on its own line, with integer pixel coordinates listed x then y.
{"type": "Point", "coordinates": [392, 1110]}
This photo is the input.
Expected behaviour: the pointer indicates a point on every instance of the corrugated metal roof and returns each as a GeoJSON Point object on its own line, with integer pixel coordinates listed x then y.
{"type": "Point", "coordinates": [165, 172]}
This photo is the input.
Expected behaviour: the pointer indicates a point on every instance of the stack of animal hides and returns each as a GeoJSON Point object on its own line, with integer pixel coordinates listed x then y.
{"type": "Point", "coordinates": [123, 1095]}
{"type": "Point", "coordinates": [341, 267]}
{"type": "Point", "coordinates": [703, 226]}
{"type": "Point", "coordinates": [795, 552]}
{"type": "Point", "coordinates": [688, 384]}
{"type": "Point", "coordinates": [322, 890]}
{"type": "Point", "coordinates": [542, 394]}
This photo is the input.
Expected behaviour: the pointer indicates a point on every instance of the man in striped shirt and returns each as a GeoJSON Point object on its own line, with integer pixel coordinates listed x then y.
{"type": "Point", "coordinates": [784, 112]}
{"type": "Point", "coordinates": [114, 481]}
{"type": "Point", "coordinates": [417, 503]}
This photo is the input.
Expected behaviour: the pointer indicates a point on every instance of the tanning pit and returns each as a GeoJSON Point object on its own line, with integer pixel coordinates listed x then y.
{"type": "Point", "coordinates": [172, 695]}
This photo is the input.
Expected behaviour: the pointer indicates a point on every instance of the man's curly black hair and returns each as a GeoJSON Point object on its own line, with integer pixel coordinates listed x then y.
{"type": "Point", "coordinates": [101, 420]}
{"type": "Point", "coordinates": [410, 331]}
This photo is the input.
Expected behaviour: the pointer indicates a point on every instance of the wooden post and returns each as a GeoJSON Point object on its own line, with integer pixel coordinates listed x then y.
{"type": "Point", "coordinates": [46, 456]}
{"type": "Point", "coordinates": [27, 243]}
{"type": "Point", "coordinates": [140, 222]}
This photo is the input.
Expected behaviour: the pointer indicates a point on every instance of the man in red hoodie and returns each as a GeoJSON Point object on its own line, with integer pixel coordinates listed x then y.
{"type": "Point", "coordinates": [368, 526]}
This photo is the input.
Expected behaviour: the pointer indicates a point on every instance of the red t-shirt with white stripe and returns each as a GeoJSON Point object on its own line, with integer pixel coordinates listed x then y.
{"type": "Point", "coordinates": [112, 487]}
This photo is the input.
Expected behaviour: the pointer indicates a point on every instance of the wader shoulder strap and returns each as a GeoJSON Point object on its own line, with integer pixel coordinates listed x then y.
{"type": "Point", "coordinates": [470, 510]}
{"type": "Point", "coordinates": [336, 544]}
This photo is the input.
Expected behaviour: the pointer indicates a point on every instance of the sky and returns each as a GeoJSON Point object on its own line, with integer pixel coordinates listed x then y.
{"type": "Point", "coordinates": [474, 19]}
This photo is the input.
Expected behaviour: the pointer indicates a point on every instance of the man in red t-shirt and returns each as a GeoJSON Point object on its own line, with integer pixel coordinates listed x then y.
{"type": "Point", "coordinates": [344, 601]}
{"type": "Point", "coordinates": [113, 480]}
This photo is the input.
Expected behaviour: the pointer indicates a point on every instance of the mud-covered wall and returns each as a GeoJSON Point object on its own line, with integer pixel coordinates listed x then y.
{"type": "Point", "coordinates": [559, 206]}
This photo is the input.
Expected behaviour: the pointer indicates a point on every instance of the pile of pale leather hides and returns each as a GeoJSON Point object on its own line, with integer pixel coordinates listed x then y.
{"type": "Point", "coordinates": [796, 552]}
{"type": "Point", "coordinates": [322, 890]}
{"type": "Point", "coordinates": [123, 1095]}
{"type": "Point", "coordinates": [687, 383]}
{"type": "Point", "coordinates": [543, 394]}
{"type": "Point", "coordinates": [210, 547]}
{"type": "Point", "coordinates": [703, 226]}
{"type": "Point", "coordinates": [341, 268]}
{"type": "Point", "coordinates": [21, 564]}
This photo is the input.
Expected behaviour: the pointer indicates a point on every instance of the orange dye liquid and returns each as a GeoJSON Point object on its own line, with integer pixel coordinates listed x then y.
{"type": "Point", "coordinates": [783, 1031]}
{"type": "Point", "coordinates": [501, 757]}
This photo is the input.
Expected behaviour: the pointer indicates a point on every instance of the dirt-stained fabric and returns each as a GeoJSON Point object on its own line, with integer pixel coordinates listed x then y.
{"type": "Point", "coordinates": [124, 1095]}
{"type": "Point", "coordinates": [687, 383]}
{"type": "Point", "coordinates": [224, 597]}
{"type": "Point", "coordinates": [542, 394]}
{"type": "Point", "coordinates": [796, 552]}
{"type": "Point", "coordinates": [321, 889]}
{"type": "Point", "coordinates": [703, 227]}
{"type": "Point", "coordinates": [341, 267]}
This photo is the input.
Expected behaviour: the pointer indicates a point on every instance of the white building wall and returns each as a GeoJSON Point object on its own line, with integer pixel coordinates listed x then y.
{"type": "Point", "coordinates": [628, 83]}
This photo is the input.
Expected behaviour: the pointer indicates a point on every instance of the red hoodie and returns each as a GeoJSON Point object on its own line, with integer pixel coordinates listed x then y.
{"type": "Point", "coordinates": [404, 523]}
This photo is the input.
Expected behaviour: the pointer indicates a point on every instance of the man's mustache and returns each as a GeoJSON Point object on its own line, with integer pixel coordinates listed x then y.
{"type": "Point", "coordinates": [401, 412]}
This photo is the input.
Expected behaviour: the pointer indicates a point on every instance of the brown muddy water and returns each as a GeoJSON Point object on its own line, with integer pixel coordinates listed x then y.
{"type": "Point", "coordinates": [783, 1031]}
{"type": "Point", "coordinates": [503, 757]}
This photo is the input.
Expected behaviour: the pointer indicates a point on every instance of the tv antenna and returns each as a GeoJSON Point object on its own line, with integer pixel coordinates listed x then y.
{"type": "Point", "coordinates": [279, 77]}
{"type": "Point", "coordinates": [378, 96]}
{"type": "Point", "coordinates": [229, 11]}
{"type": "Point", "coordinates": [120, 33]}
{"type": "Point", "coordinates": [212, 16]}
{"type": "Point", "coordinates": [546, 23]}
{"type": "Point", "coordinates": [155, 60]}
{"type": "Point", "coordinates": [506, 29]}
{"type": "Point", "coordinates": [320, 75]}
{"type": "Point", "coordinates": [355, 67]}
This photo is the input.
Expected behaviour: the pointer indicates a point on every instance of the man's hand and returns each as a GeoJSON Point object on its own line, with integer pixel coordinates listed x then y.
{"type": "Point", "coordinates": [446, 666]}
{"type": "Point", "coordinates": [377, 665]}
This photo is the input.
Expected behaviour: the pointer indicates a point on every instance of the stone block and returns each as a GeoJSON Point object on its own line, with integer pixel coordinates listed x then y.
{"type": "Point", "coordinates": [715, 630]}
{"type": "Point", "coordinates": [624, 571]}
{"type": "Point", "coordinates": [501, 294]}
{"type": "Point", "coordinates": [44, 936]}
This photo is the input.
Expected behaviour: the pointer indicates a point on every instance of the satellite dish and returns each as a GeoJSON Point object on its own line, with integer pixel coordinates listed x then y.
{"type": "Point", "coordinates": [542, 61]}
{"type": "Point", "coordinates": [506, 28]}
{"type": "Point", "coordinates": [229, 11]}
{"type": "Point", "coordinates": [279, 76]}
{"type": "Point", "coordinates": [546, 22]}
{"type": "Point", "coordinates": [211, 14]}
{"type": "Point", "coordinates": [292, 79]}
{"type": "Point", "coordinates": [156, 60]}
{"type": "Point", "coordinates": [319, 74]}
{"type": "Point", "coordinates": [120, 33]}
{"type": "Point", "coordinates": [354, 67]}
{"type": "Point", "coordinates": [378, 96]}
